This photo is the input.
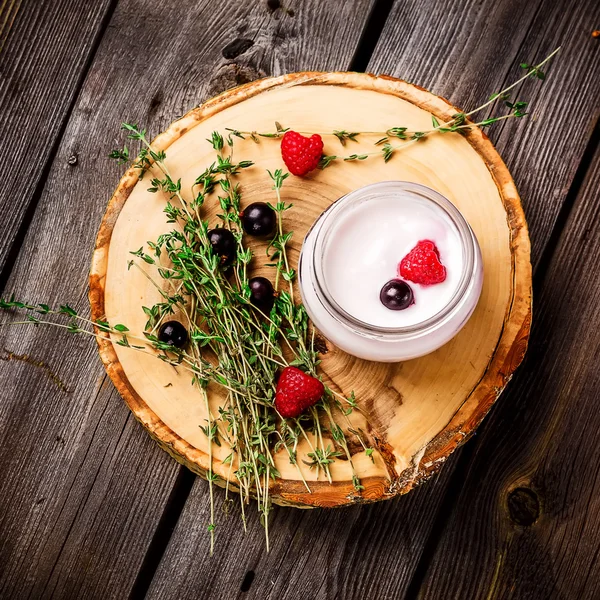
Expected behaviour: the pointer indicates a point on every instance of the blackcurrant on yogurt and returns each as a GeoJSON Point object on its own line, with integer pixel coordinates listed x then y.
{"type": "Point", "coordinates": [354, 250]}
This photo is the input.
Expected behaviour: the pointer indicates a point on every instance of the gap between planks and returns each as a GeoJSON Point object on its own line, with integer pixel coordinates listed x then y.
{"type": "Point", "coordinates": [567, 207]}
{"type": "Point", "coordinates": [370, 35]}
{"type": "Point", "coordinates": [15, 248]}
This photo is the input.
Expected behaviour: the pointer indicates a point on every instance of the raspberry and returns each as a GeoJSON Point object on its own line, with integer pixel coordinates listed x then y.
{"type": "Point", "coordinates": [296, 391]}
{"type": "Point", "coordinates": [422, 264]}
{"type": "Point", "coordinates": [301, 154]}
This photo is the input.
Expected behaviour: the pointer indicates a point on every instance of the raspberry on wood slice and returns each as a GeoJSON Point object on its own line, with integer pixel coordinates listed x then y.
{"type": "Point", "coordinates": [301, 154]}
{"type": "Point", "coordinates": [296, 392]}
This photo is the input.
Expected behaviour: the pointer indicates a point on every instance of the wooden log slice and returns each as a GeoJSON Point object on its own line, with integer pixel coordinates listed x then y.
{"type": "Point", "coordinates": [416, 412]}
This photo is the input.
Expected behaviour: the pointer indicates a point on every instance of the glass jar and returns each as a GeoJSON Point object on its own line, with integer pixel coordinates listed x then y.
{"type": "Point", "coordinates": [375, 342]}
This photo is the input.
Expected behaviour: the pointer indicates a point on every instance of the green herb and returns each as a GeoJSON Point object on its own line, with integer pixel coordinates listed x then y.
{"type": "Point", "coordinates": [343, 136]}
{"type": "Point", "coordinates": [249, 345]}
{"type": "Point", "coordinates": [459, 123]}
{"type": "Point", "coordinates": [122, 156]}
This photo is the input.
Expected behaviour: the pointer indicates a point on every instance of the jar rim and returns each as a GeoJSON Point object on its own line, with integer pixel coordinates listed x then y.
{"type": "Point", "coordinates": [328, 220]}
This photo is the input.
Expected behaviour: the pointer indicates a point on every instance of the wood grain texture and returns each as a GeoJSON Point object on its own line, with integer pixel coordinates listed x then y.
{"type": "Point", "coordinates": [542, 153]}
{"type": "Point", "coordinates": [316, 554]}
{"type": "Point", "coordinates": [43, 57]}
{"type": "Point", "coordinates": [418, 411]}
{"type": "Point", "coordinates": [83, 486]}
{"type": "Point", "coordinates": [462, 50]}
{"type": "Point", "coordinates": [527, 521]}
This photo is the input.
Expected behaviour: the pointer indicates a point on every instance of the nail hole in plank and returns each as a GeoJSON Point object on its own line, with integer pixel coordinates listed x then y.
{"type": "Point", "coordinates": [247, 581]}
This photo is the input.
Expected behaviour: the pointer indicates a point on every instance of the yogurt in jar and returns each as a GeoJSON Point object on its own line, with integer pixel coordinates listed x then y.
{"type": "Point", "coordinates": [364, 249]}
{"type": "Point", "coordinates": [356, 246]}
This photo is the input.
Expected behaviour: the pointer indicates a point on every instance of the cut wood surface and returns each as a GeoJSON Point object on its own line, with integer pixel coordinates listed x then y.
{"type": "Point", "coordinates": [415, 413]}
{"type": "Point", "coordinates": [83, 487]}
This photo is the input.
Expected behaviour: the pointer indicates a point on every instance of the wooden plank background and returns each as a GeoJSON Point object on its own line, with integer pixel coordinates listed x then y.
{"type": "Point", "coordinates": [45, 49]}
{"type": "Point", "coordinates": [91, 508]}
{"type": "Point", "coordinates": [526, 523]}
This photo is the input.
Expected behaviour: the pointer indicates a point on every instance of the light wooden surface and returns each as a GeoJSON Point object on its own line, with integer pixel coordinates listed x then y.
{"type": "Point", "coordinates": [90, 506]}
{"type": "Point", "coordinates": [416, 412]}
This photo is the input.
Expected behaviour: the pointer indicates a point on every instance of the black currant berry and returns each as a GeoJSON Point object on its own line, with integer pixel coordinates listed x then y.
{"type": "Point", "coordinates": [396, 295]}
{"type": "Point", "coordinates": [173, 333]}
{"type": "Point", "coordinates": [259, 219]}
{"type": "Point", "coordinates": [224, 244]}
{"type": "Point", "coordinates": [262, 294]}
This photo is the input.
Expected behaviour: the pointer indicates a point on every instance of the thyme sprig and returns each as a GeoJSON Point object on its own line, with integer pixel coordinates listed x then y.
{"type": "Point", "coordinates": [459, 123]}
{"type": "Point", "coordinates": [232, 344]}
{"type": "Point", "coordinates": [249, 347]}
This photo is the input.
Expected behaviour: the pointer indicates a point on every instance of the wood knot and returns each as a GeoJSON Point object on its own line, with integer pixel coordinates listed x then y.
{"type": "Point", "coordinates": [320, 344]}
{"type": "Point", "coordinates": [273, 5]}
{"type": "Point", "coordinates": [237, 47]}
{"type": "Point", "coordinates": [155, 103]}
{"type": "Point", "coordinates": [232, 75]}
{"type": "Point", "coordinates": [523, 506]}
{"type": "Point", "coordinates": [72, 160]}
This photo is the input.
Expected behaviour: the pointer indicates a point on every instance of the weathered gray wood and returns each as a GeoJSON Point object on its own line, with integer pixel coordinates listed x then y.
{"type": "Point", "coordinates": [82, 486]}
{"type": "Point", "coordinates": [339, 553]}
{"type": "Point", "coordinates": [538, 453]}
{"type": "Point", "coordinates": [44, 48]}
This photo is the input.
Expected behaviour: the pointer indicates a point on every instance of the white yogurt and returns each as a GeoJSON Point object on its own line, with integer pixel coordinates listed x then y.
{"type": "Point", "coordinates": [364, 249]}
{"type": "Point", "coordinates": [356, 246]}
